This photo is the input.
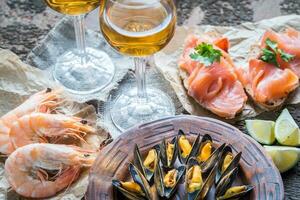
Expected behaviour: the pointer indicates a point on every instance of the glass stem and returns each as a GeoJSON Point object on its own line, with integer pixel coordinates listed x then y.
{"type": "Point", "coordinates": [80, 36]}
{"type": "Point", "coordinates": [140, 73]}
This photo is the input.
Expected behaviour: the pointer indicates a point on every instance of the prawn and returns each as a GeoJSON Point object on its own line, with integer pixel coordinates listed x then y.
{"type": "Point", "coordinates": [44, 101]}
{"type": "Point", "coordinates": [44, 128]}
{"type": "Point", "coordinates": [42, 170]}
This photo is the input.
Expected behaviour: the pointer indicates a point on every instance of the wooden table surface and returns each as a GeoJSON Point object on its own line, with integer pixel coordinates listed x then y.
{"type": "Point", "coordinates": [24, 23]}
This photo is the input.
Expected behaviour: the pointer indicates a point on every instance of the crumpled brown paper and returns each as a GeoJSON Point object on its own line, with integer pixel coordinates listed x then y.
{"type": "Point", "coordinates": [17, 82]}
{"type": "Point", "coordinates": [241, 37]}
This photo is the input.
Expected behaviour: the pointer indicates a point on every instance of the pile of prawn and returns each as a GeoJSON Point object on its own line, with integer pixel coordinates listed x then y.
{"type": "Point", "coordinates": [32, 136]}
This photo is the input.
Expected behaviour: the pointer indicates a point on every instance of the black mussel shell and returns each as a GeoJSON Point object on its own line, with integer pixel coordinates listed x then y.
{"type": "Point", "coordinates": [168, 164]}
{"type": "Point", "coordinates": [234, 163]}
{"type": "Point", "coordinates": [163, 191]}
{"type": "Point", "coordinates": [195, 148]}
{"type": "Point", "coordinates": [127, 194]}
{"type": "Point", "coordinates": [248, 189]}
{"type": "Point", "coordinates": [157, 181]}
{"type": "Point", "coordinates": [207, 185]}
{"type": "Point", "coordinates": [225, 182]}
{"type": "Point", "coordinates": [138, 162]}
{"type": "Point", "coordinates": [190, 196]}
{"type": "Point", "coordinates": [213, 159]}
{"type": "Point", "coordinates": [170, 191]}
{"type": "Point", "coordinates": [138, 178]}
{"type": "Point", "coordinates": [205, 139]}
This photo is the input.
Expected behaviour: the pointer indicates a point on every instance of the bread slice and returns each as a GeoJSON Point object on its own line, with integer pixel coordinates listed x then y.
{"type": "Point", "coordinates": [268, 106]}
{"type": "Point", "coordinates": [184, 77]}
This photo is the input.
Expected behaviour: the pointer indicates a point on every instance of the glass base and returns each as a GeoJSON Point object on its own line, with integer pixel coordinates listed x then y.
{"type": "Point", "coordinates": [92, 76]}
{"type": "Point", "coordinates": [129, 111]}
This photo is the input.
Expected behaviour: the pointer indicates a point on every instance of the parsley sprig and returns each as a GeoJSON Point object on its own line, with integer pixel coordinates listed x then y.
{"type": "Point", "coordinates": [206, 54]}
{"type": "Point", "coordinates": [272, 50]}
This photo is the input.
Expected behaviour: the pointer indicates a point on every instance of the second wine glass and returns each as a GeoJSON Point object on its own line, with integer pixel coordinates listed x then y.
{"type": "Point", "coordinates": [139, 29]}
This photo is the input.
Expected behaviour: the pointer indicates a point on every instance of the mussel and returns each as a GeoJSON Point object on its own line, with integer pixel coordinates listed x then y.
{"type": "Point", "coordinates": [204, 166]}
{"type": "Point", "coordinates": [212, 160]}
{"type": "Point", "coordinates": [228, 168]}
{"type": "Point", "coordinates": [136, 189]}
{"type": "Point", "coordinates": [166, 182]}
{"type": "Point", "coordinates": [236, 192]}
{"type": "Point", "coordinates": [227, 162]}
{"type": "Point", "coordinates": [133, 187]}
{"type": "Point", "coordinates": [146, 166]}
{"type": "Point", "coordinates": [194, 178]}
{"type": "Point", "coordinates": [196, 185]}
{"type": "Point", "coordinates": [168, 152]}
{"type": "Point", "coordinates": [205, 149]}
{"type": "Point", "coordinates": [185, 149]}
{"type": "Point", "coordinates": [225, 182]}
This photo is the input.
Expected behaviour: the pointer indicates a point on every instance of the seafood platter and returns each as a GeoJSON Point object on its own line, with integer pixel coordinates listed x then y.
{"type": "Point", "coordinates": [184, 157]}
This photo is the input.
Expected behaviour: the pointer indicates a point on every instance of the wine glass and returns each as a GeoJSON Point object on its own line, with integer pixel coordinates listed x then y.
{"type": "Point", "coordinates": [139, 29]}
{"type": "Point", "coordinates": [82, 70]}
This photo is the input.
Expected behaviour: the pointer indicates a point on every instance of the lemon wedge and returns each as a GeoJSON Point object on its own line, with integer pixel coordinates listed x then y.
{"type": "Point", "coordinates": [286, 130]}
{"type": "Point", "coordinates": [261, 130]}
{"type": "Point", "coordinates": [284, 158]}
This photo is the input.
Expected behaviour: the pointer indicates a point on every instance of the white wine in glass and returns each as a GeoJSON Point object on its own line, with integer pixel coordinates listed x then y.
{"type": "Point", "coordinates": [82, 70]}
{"type": "Point", "coordinates": [139, 29]}
{"type": "Point", "coordinates": [73, 7]}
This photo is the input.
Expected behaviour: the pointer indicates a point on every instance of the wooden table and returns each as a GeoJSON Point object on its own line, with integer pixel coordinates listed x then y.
{"type": "Point", "coordinates": [24, 23]}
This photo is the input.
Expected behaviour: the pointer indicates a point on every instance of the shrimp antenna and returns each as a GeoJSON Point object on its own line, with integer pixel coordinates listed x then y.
{"type": "Point", "coordinates": [76, 173]}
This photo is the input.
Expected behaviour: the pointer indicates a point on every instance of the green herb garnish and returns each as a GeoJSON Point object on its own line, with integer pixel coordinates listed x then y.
{"type": "Point", "coordinates": [269, 57]}
{"type": "Point", "coordinates": [271, 44]}
{"type": "Point", "coordinates": [285, 56]}
{"type": "Point", "coordinates": [271, 51]}
{"type": "Point", "coordinates": [206, 54]}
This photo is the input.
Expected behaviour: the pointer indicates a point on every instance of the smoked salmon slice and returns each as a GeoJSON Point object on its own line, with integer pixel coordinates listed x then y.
{"type": "Point", "coordinates": [267, 84]}
{"type": "Point", "coordinates": [188, 64]}
{"type": "Point", "coordinates": [289, 42]}
{"type": "Point", "coordinates": [215, 87]}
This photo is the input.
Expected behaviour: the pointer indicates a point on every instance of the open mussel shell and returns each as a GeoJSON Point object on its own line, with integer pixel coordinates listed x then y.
{"type": "Point", "coordinates": [236, 192]}
{"type": "Point", "coordinates": [163, 190]}
{"type": "Point", "coordinates": [206, 139]}
{"type": "Point", "coordinates": [139, 162]}
{"type": "Point", "coordinates": [168, 152]}
{"type": "Point", "coordinates": [225, 182]}
{"type": "Point", "coordinates": [193, 149]}
{"type": "Point", "coordinates": [225, 165]}
{"type": "Point", "coordinates": [140, 180]}
{"type": "Point", "coordinates": [128, 194]}
{"type": "Point", "coordinates": [206, 185]}
{"type": "Point", "coordinates": [213, 160]}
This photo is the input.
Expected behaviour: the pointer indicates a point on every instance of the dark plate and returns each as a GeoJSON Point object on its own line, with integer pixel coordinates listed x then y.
{"type": "Point", "coordinates": [256, 168]}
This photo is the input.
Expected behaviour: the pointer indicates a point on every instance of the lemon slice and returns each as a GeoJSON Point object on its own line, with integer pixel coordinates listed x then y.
{"type": "Point", "coordinates": [284, 158]}
{"type": "Point", "coordinates": [286, 130]}
{"type": "Point", "coordinates": [261, 130]}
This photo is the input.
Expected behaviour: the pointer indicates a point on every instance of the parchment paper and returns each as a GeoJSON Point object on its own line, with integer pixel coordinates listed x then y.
{"type": "Point", "coordinates": [17, 82]}
{"type": "Point", "coordinates": [241, 38]}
